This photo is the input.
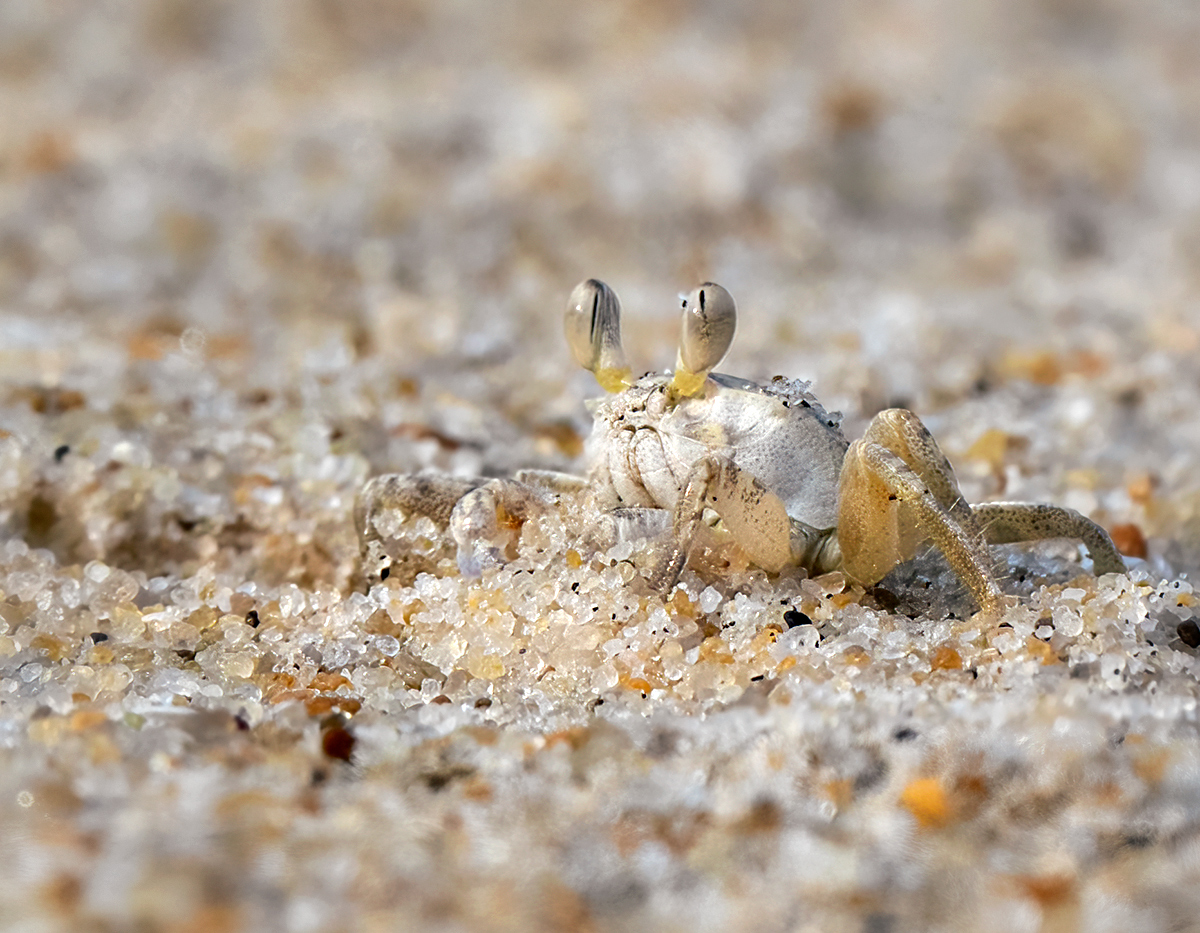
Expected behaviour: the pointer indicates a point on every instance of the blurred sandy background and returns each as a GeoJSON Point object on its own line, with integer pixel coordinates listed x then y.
{"type": "Point", "coordinates": [913, 202]}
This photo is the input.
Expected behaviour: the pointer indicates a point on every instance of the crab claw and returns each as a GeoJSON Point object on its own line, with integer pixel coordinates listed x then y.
{"type": "Point", "coordinates": [593, 328]}
{"type": "Point", "coordinates": [476, 531]}
{"type": "Point", "coordinates": [475, 559]}
{"type": "Point", "coordinates": [709, 320]}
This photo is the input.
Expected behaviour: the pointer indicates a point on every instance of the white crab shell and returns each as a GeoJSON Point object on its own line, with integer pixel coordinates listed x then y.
{"type": "Point", "coordinates": [642, 449]}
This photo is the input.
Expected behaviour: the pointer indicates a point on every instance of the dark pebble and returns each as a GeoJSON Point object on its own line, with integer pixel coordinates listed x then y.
{"type": "Point", "coordinates": [252, 618]}
{"type": "Point", "coordinates": [98, 637]}
{"type": "Point", "coordinates": [1189, 633]}
{"type": "Point", "coordinates": [337, 743]}
{"type": "Point", "coordinates": [794, 617]}
{"type": "Point", "coordinates": [60, 452]}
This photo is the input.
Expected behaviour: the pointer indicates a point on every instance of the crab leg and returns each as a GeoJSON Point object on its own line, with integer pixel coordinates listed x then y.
{"type": "Point", "coordinates": [553, 481]}
{"type": "Point", "coordinates": [902, 432]}
{"type": "Point", "coordinates": [755, 517]}
{"type": "Point", "coordinates": [432, 495]}
{"type": "Point", "coordinates": [482, 515]}
{"type": "Point", "coordinates": [1008, 522]}
{"type": "Point", "coordinates": [487, 517]}
{"type": "Point", "coordinates": [386, 502]}
{"type": "Point", "coordinates": [886, 509]}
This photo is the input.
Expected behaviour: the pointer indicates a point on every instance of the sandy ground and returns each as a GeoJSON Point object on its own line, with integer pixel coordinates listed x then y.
{"type": "Point", "coordinates": [253, 253]}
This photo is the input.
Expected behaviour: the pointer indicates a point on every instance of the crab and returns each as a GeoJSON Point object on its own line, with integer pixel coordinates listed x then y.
{"type": "Point", "coordinates": [676, 455]}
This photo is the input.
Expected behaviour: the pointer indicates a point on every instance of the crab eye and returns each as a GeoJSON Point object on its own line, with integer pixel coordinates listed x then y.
{"type": "Point", "coordinates": [709, 320]}
{"type": "Point", "coordinates": [593, 327]}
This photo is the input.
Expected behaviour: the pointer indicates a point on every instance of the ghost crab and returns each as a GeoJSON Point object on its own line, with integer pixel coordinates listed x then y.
{"type": "Point", "coordinates": [676, 453]}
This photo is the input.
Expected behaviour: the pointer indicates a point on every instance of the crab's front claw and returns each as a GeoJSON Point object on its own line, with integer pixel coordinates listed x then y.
{"type": "Point", "coordinates": [755, 518]}
{"type": "Point", "coordinates": [897, 491]}
{"type": "Point", "coordinates": [400, 519]}
{"type": "Point", "coordinates": [486, 523]}
{"type": "Point", "coordinates": [474, 559]}
{"type": "Point", "coordinates": [476, 529]}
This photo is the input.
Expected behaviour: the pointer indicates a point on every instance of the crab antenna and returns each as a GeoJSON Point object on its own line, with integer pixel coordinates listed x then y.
{"type": "Point", "coordinates": [593, 327]}
{"type": "Point", "coordinates": [709, 320]}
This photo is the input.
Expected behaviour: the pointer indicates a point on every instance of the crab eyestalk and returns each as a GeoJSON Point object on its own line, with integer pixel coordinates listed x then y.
{"type": "Point", "coordinates": [709, 320]}
{"type": "Point", "coordinates": [593, 327]}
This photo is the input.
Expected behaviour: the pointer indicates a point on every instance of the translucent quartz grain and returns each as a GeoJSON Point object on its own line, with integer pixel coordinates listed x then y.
{"type": "Point", "coordinates": [291, 601]}
{"type": "Point", "coordinates": [25, 585]}
{"type": "Point", "coordinates": [709, 599]}
{"type": "Point", "coordinates": [1006, 642]}
{"type": "Point", "coordinates": [373, 678]}
{"type": "Point", "coordinates": [235, 631]}
{"type": "Point", "coordinates": [1067, 621]}
{"type": "Point", "coordinates": [125, 622]}
{"type": "Point", "coordinates": [97, 571]}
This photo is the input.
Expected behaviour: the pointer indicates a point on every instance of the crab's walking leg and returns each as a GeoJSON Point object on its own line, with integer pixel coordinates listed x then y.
{"type": "Point", "coordinates": [755, 517]}
{"type": "Point", "coordinates": [552, 480]}
{"type": "Point", "coordinates": [486, 520]}
{"type": "Point", "coordinates": [482, 515]}
{"type": "Point", "coordinates": [431, 495]}
{"type": "Point", "coordinates": [383, 508]}
{"type": "Point", "coordinates": [897, 490]}
{"type": "Point", "coordinates": [1008, 522]}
